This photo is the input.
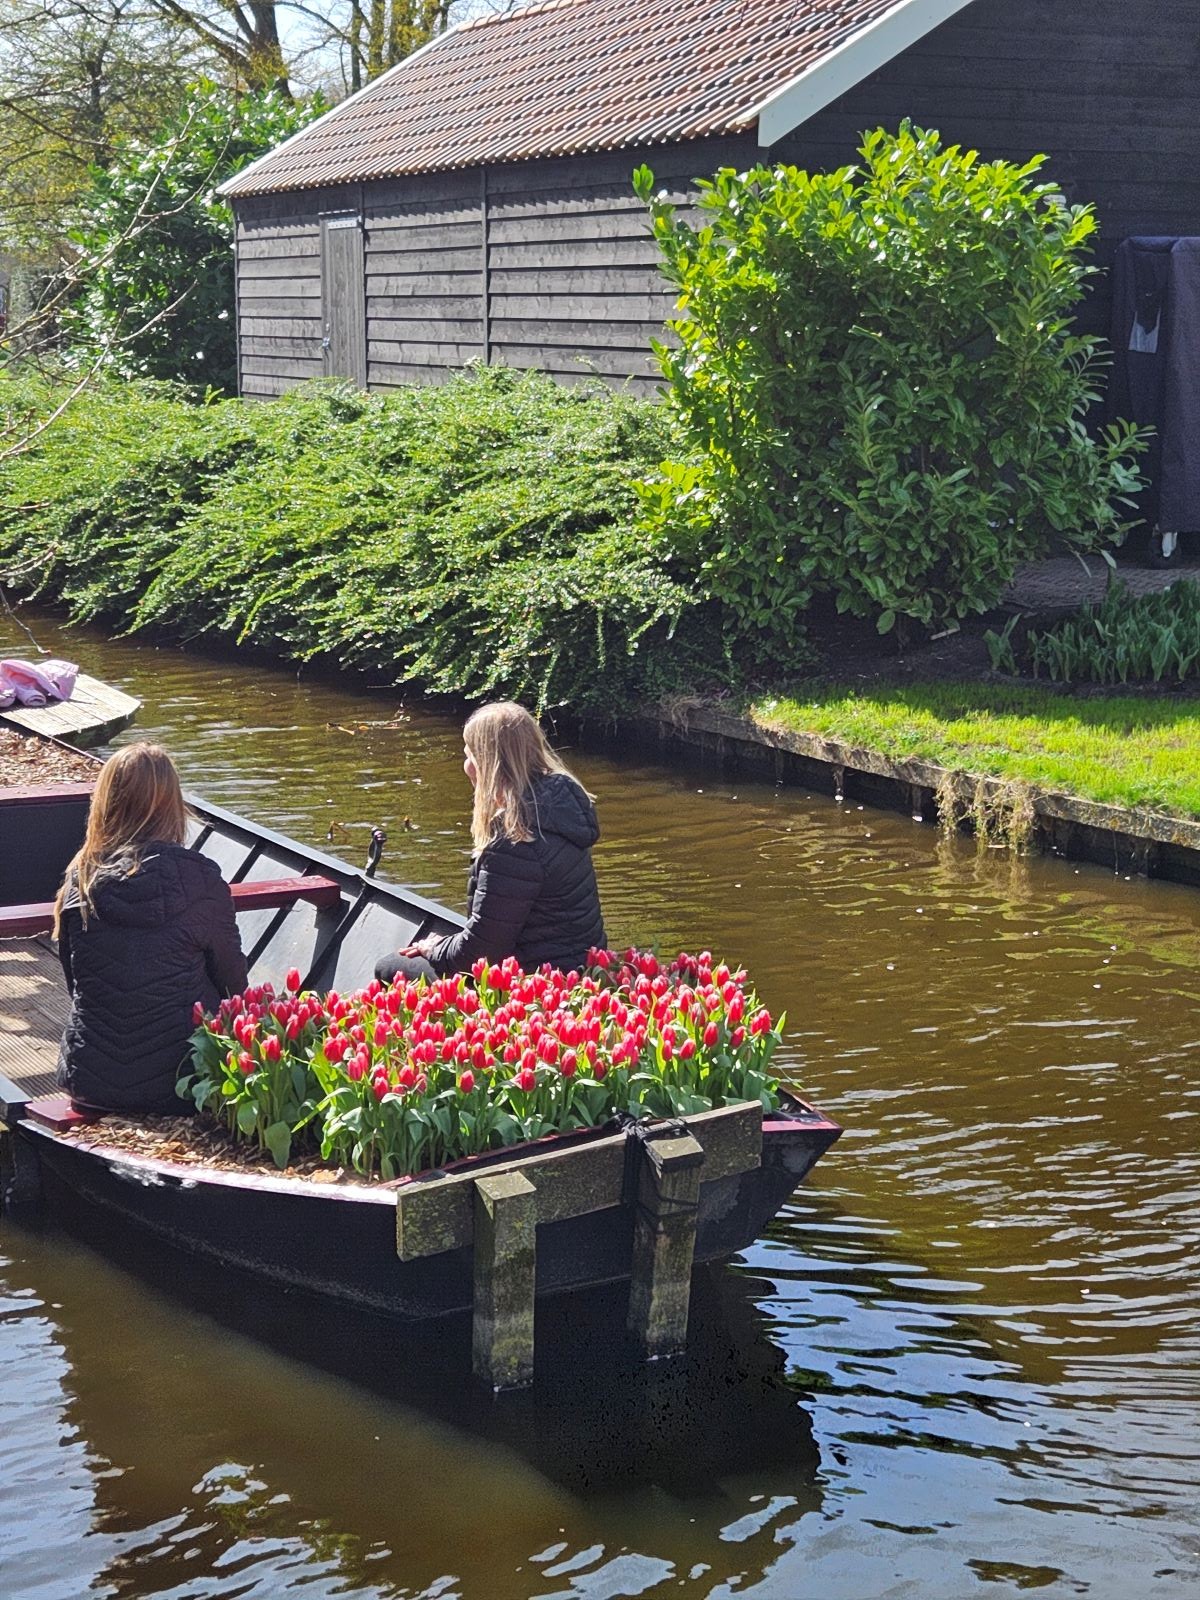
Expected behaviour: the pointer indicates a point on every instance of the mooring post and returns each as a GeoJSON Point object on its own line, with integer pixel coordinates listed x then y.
{"type": "Point", "coordinates": [664, 1243]}
{"type": "Point", "coordinates": [505, 1264]}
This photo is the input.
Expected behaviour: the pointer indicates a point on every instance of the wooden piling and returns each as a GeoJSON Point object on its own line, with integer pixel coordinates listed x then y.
{"type": "Point", "coordinates": [496, 1214]}
{"type": "Point", "coordinates": [664, 1243]}
{"type": "Point", "coordinates": [505, 1254]}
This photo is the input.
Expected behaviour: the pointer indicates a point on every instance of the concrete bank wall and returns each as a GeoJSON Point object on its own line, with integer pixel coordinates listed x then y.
{"type": "Point", "coordinates": [1149, 843]}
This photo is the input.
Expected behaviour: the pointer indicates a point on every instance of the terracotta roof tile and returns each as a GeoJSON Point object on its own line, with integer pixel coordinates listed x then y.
{"type": "Point", "coordinates": [564, 77]}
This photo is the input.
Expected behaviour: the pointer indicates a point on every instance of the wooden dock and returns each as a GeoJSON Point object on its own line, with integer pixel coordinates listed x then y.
{"type": "Point", "coordinates": [93, 714]}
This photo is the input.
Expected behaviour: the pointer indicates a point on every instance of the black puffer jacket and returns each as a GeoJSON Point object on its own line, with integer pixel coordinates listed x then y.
{"type": "Point", "coordinates": [155, 943]}
{"type": "Point", "coordinates": [536, 901]}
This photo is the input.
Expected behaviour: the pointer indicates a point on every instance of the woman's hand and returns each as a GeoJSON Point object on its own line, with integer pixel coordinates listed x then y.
{"type": "Point", "coordinates": [423, 948]}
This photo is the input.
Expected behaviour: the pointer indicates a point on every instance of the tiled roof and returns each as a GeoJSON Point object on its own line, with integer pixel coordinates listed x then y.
{"type": "Point", "coordinates": [564, 77]}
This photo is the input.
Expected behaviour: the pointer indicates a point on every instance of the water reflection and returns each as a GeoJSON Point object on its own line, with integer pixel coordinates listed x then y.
{"type": "Point", "coordinates": [335, 1444]}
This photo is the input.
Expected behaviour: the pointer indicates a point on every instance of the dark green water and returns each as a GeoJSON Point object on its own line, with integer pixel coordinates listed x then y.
{"type": "Point", "coordinates": [965, 1360]}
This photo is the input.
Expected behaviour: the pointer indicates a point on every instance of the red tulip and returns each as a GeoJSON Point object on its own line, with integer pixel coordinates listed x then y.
{"type": "Point", "coordinates": [569, 1062]}
{"type": "Point", "coordinates": [272, 1049]}
{"type": "Point", "coordinates": [687, 1049]}
{"type": "Point", "coordinates": [197, 1014]}
{"type": "Point", "coordinates": [293, 980]}
{"type": "Point", "coordinates": [711, 1034]}
{"type": "Point", "coordinates": [246, 1062]}
{"type": "Point", "coordinates": [526, 1079]}
{"type": "Point", "coordinates": [466, 1082]}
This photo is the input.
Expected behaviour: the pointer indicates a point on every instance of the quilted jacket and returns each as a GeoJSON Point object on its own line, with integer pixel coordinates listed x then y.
{"type": "Point", "coordinates": [537, 901]}
{"type": "Point", "coordinates": [155, 943]}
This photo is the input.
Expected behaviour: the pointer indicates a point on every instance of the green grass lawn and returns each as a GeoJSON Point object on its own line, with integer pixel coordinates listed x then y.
{"type": "Point", "coordinates": [1117, 749]}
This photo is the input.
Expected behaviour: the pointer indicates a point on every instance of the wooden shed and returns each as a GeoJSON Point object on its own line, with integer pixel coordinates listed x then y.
{"type": "Point", "coordinates": [474, 203]}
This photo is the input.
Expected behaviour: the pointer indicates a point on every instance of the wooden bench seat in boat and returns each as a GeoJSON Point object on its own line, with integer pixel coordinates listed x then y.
{"type": "Point", "coordinates": [26, 922]}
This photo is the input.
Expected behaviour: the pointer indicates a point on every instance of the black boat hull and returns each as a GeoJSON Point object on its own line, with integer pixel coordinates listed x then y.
{"type": "Point", "coordinates": [339, 1241]}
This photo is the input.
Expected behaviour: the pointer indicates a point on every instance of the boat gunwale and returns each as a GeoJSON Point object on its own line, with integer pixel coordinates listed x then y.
{"type": "Point", "coordinates": [196, 1174]}
{"type": "Point", "coordinates": [206, 811]}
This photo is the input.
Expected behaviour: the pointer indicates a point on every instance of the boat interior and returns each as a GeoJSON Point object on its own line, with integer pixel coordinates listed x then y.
{"type": "Point", "coordinates": [33, 1013]}
{"type": "Point", "coordinates": [296, 908]}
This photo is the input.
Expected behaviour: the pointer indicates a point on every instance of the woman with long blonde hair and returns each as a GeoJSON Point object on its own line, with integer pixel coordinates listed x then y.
{"type": "Point", "coordinates": [532, 888]}
{"type": "Point", "coordinates": [145, 929]}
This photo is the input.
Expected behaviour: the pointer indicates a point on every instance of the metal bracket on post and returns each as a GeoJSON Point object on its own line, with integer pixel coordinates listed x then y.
{"type": "Point", "coordinates": [20, 1174]}
{"type": "Point", "coordinates": [505, 1278]}
{"type": "Point", "coordinates": [664, 1243]}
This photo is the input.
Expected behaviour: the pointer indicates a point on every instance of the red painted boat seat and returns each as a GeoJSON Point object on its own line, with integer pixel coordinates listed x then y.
{"type": "Point", "coordinates": [56, 1112]}
{"type": "Point", "coordinates": [24, 922]}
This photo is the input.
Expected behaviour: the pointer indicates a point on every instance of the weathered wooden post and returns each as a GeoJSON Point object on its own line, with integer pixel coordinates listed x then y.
{"type": "Point", "coordinates": [664, 1242]}
{"type": "Point", "coordinates": [505, 1269]}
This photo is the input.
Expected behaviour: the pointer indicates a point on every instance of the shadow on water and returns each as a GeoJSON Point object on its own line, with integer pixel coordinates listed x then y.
{"type": "Point", "coordinates": [236, 1412]}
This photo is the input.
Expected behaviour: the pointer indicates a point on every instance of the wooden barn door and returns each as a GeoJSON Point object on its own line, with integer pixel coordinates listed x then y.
{"type": "Point", "coordinates": [343, 298]}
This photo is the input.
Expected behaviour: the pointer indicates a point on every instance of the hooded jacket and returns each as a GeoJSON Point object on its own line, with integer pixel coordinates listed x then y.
{"type": "Point", "coordinates": [155, 943]}
{"type": "Point", "coordinates": [537, 901]}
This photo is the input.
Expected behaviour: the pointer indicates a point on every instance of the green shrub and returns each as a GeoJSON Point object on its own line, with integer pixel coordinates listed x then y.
{"type": "Point", "coordinates": [156, 242]}
{"type": "Point", "coordinates": [477, 538]}
{"type": "Point", "coordinates": [1126, 638]}
{"type": "Point", "coordinates": [879, 391]}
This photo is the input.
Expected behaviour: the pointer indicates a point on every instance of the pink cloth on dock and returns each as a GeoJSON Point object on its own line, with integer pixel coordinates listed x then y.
{"type": "Point", "coordinates": [23, 683]}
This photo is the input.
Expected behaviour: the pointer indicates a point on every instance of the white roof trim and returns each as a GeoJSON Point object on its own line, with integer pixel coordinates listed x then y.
{"type": "Point", "coordinates": [877, 44]}
{"type": "Point", "coordinates": [334, 111]}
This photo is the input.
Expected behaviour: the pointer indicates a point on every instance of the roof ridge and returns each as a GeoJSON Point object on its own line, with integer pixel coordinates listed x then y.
{"type": "Point", "coordinates": [495, 18]}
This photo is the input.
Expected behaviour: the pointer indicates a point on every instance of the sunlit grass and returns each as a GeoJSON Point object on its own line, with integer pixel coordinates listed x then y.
{"type": "Point", "coordinates": [1119, 750]}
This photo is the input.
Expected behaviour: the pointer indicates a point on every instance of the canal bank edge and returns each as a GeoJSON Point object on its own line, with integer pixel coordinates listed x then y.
{"type": "Point", "coordinates": [1126, 839]}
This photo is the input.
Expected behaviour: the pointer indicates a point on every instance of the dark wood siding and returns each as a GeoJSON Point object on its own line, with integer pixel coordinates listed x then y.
{"type": "Point", "coordinates": [562, 275]}
{"type": "Point", "coordinates": [1108, 90]}
{"type": "Point", "coordinates": [279, 287]}
{"type": "Point", "coordinates": [424, 277]}
{"type": "Point", "coordinates": [574, 286]}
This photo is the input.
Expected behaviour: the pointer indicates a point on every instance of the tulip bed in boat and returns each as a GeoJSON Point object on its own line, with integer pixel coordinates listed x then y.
{"type": "Point", "coordinates": [394, 1080]}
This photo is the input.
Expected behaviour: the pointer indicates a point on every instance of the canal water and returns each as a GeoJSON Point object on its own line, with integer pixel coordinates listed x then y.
{"type": "Point", "coordinates": [965, 1360]}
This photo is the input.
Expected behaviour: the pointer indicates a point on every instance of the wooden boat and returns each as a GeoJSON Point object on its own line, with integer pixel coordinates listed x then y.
{"type": "Point", "coordinates": [404, 1249]}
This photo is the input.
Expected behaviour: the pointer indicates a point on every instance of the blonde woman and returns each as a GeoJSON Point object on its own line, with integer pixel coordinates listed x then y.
{"type": "Point", "coordinates": [532, 889]}
{"type": "Point", "coordinates": [145, 928]}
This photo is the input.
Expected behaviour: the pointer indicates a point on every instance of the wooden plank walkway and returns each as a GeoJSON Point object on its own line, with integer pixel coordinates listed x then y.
{"type": "Point", "coordinates": [94, 713]}
{"type": "Point", "coordinates": [33, 1013]}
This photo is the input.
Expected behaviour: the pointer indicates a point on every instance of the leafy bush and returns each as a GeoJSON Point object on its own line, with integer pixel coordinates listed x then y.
{"type": "Point", "coordinates": [477, 538]}
{"type": "Point", "coordinates": [156, 243]}
{"type": "Point", "coordinates": [396, 1080]}
{"type": "Point", "coordinates": [879, 390]}
{"type": "Point", "coordinates": [1126, 638]}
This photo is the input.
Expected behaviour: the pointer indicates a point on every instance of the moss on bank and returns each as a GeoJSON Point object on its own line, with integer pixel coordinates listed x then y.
{"type": "Point", "coordinates": [1117, 750]}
